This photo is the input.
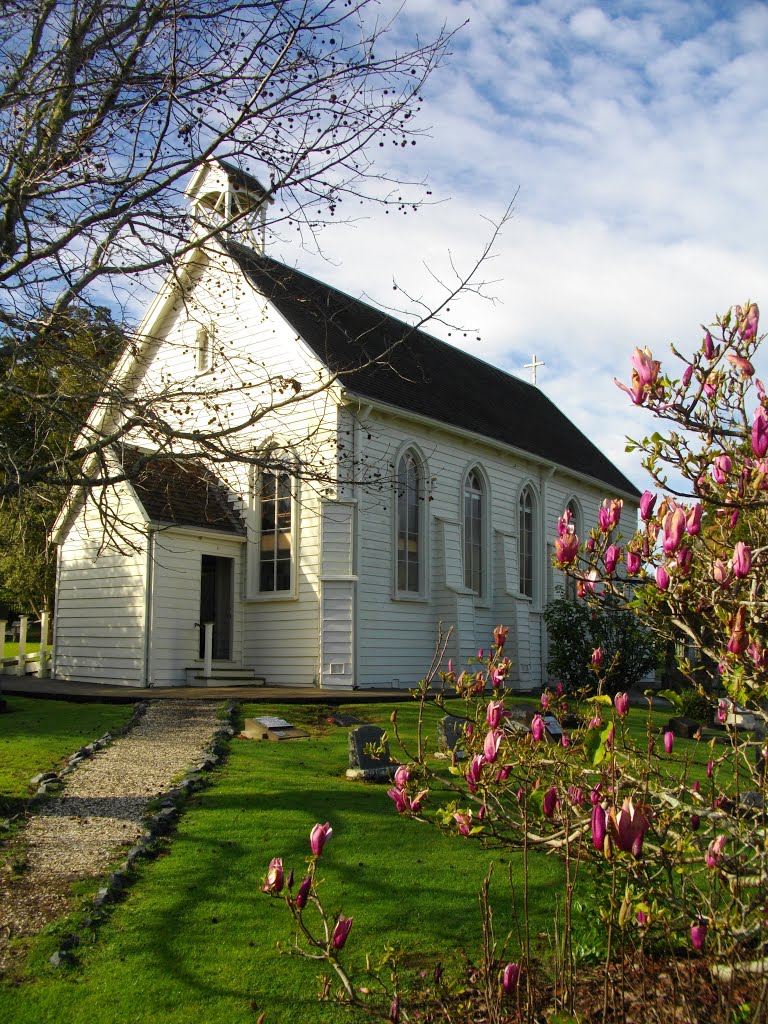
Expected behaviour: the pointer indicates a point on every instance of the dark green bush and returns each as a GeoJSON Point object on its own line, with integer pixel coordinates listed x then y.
{"type": "Point", "coordinates": [576, 629]}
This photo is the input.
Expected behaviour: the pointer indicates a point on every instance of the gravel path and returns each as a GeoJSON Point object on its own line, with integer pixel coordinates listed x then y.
{"type": "Point", "coordinates": [80, 833]}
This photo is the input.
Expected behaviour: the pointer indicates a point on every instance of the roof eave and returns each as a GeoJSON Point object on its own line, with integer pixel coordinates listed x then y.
{"type": "Point", "coordinates": [348, 396]}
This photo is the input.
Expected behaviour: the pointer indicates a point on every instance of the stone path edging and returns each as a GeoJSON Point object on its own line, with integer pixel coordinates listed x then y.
{"type": "Point", "coordinates": [86, 806]}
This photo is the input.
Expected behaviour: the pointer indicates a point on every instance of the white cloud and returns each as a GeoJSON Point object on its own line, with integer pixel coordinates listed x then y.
{"type": "Point", "coordinates": [638, 134]}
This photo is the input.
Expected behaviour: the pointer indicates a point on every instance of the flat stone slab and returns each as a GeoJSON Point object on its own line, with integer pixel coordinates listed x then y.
{"type": "Point", "coordinates": [273, 729]}
{"type": "Point", "coordinates": [345, 720]}
{"type": "Point", "coordinates": [684, 727]}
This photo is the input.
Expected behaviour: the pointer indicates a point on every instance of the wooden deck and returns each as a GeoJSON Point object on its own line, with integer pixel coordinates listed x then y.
{"type": "Point", "coordinates": [31, 686]}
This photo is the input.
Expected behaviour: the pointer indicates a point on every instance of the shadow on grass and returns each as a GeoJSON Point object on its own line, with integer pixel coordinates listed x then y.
{"type": "Point", "coordinates": [212, 930]}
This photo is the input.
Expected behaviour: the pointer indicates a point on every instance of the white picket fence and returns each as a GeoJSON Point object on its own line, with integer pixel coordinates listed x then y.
{"type": "Point", "coordinates": [27, 662]}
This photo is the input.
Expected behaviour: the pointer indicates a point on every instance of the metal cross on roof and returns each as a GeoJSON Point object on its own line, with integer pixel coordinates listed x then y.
{"type": "Point", "coordinates": [532, 367]}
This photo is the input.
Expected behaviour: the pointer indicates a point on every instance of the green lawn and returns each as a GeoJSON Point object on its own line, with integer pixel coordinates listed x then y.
{"type": "Point", "coordinates": [37, 735]}
{"type": "Point", "coordinates": [195, 940]}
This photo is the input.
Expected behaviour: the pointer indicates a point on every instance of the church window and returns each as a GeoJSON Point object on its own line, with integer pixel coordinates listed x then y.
{"type": "Point", "coordinates": [474, 513]}
{"type": "Point", "coordinates": [526, 541]}
{"type": "Point", "coordinates": [275, 532]}
{"type": "Point", "coordinates": [410, 529]}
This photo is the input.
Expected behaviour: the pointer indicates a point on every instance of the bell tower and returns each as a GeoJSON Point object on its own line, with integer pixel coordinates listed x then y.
{"type": "Point", "coordinates": [221, 195]}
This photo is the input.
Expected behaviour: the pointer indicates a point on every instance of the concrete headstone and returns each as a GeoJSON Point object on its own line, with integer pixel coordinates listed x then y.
{"type": "Point", "coordinates": [450, 730]}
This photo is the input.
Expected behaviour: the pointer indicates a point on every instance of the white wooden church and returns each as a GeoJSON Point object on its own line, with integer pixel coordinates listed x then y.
{"type": "Point", "coordinates": [388, 483]}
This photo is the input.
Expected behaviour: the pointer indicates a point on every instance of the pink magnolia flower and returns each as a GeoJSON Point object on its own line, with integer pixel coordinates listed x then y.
{"type": "Point", "coordinates": [693, 519]}
{"type": "Point", "coordinates": [757, 654]}
{"type": "Point", "coordinates": [721, 467]}
{"type": "Point", "coordinates": [494, 713]}
{"type": "Point", "coordinates": [707, 346]}
{"type": "Point", "coordinates": [318, 837]}
{"type": "Point", "coordinates": [674, 528]}
{"type": "Point", "coordinates": [683, 560]}
{"type": "Point", "coordinates": [634, 562]}
{"type": "Point", "coordinates": [545, 700]}
{"type": "Point", "coordinates": [400, 798]}
{"type": "Point", "coordinates": [598, 826]}
{"type": "Point", "coordinates": [597, 657]}
{"type": "Point", "coordinates": [609, 514]}
{"type": "Point", "coordinates": [549, 805]}
{"type": "Point", "coordinates": [734, 518]}
{"type": "Point", "coordinates": [303, 894]}
{"type": "Point", "coordinates": [741, 561]}
{"type": "Point", "coordinates": [500, 634]}
{"type": "Point", "coordinates": [341, 931]}
{"type": "Point", "coordinates": [714, 855]}
{"type": "Point", "coordinates": [576, 795]}
{"type": "Point", "coordinates": [642, 918]}
{"type": "Point", "coordinates": [537, 728]}
{"type": "Point", "coordinates": [738, 641]}
{"type": "Point", "coordinates": [685, 380]}
{"type": "Point", "coordinates": [669, 742]}
{"type": "Point", "coordinates": [720, 573]}
{"type": "Point", "coordinates": [698, 934]}
{"type": "Point", "coordinates": [566, 549]}
{"type": "Point", "coordinates": [418, 800]}
{"type": "Point", "coordinates": [710, 768]}
{"type": "Point", "coordinates": [662, 578]}
{"type": "Point", "coordinates": [275, 879]}
{"type": "Point", "coordinates": [647, 367]}
{"type": "Point", "coordinates": [621, 703]}
{"type": "Point", "coordinates": [475, 770]}
{"type": "Point", "coordinates": [510, 978]}
{"type": "Point", "coordinates": [612, 555]}
{"type": "Point", "coordinates": [595, 722]}
{"type": "Point", "coordinates": [491, 745]}
{"type": "Point", "coordinates": [722, 711]}
{"type": "Point", "coordinates": [629, 826]}
{"type": "Point", "coordinates": [463, 821]}
{"type": "Point", "coordinates": [594, 796]}
{"type": "Point", "coordinates": [402, 775]}
{"type": "Point", "coordinates": [645, 371]}
{"type": "Point", "coordinates": [741, 363]}
{"type": "Point", "coordinates": [748, 321]}
{"type": "Point", "coordinates": [695, 822]}
{"type": "Point", "coordinates": [647, 502]}
{"type": "Point", "coordinates": [394, 1010]}
{"type": "Point", "coordinates": [559, 688]}
{"type": "Point", "coordinates": [760, 432]}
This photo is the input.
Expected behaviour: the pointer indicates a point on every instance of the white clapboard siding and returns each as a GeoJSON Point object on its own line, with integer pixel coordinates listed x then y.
{"type": "Point", "coordinates": [100, 601]}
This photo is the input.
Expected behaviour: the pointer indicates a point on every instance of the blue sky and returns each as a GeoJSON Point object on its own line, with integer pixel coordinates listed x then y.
{"type": "Point", "coordinates": [636, 138]}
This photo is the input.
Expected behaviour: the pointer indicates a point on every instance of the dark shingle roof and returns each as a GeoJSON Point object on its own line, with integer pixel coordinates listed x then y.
{"type": "Point", "coordinates": [179, 493]}
{"type": "Point", "coordinates": [241, 177]}
{"type": "Point", "coordinates": [380, 358]}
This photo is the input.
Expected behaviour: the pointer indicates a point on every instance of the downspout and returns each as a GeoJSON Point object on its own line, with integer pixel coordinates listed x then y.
{"type": "Point", "coordinates": [148, 595]}
{"type": "Point", "coordinates": [363, 412]}
{"type": "Point", "coordinates": [56, 591]}
{"type": "Point", "coordinates": [543, 644]}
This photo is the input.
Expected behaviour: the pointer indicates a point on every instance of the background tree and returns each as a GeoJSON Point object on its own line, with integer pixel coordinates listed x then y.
{"type": "Point", "coordinates": [49, 389]}
{"type": "Point", "coordinates": [107, 106]}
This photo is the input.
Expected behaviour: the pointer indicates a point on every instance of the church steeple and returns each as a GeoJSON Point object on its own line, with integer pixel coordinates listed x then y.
{"type": "Point", "coordinates": [222, 194]}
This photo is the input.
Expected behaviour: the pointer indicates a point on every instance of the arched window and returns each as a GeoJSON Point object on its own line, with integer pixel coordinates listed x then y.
{"type": "Point", "coordinates": [473, 532]}
{"type": "Point", "coordinates": [409, 506]}
{"type": "Point", "coordinates": [275, 531]}
{"type": "Point", "coordinates": [526, 542]}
